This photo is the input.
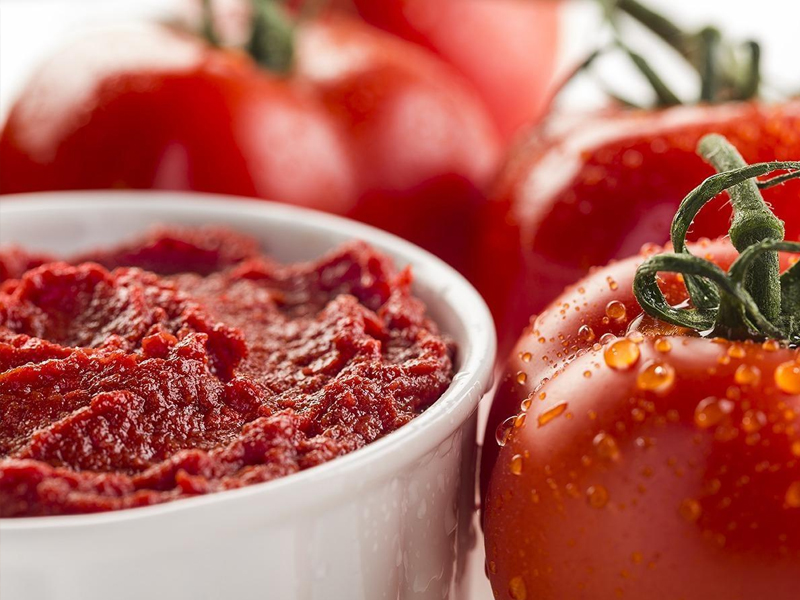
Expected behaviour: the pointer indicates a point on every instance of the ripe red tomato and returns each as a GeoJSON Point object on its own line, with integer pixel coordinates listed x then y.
{"type": "Point", "coordinates": [506, 48]}
{"type": "Point", "coordinates": [654, 466]}
{"type": "Point", "coordinates": [365, 125]}
{"type": "Point", "coordinates": [585, 189]}
{"type": "Point", "coordinates": [572, 324]}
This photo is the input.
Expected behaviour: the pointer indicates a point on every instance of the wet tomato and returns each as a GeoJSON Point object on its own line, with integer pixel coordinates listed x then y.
{"type": "Point", "coordinates": [651, 462]}
{"type": "Point", "coordinates": [632, 456]}
{"type": "Point", "coordinates": [599, 307]}
{"type": "Point", "coordinates": [363, 125]}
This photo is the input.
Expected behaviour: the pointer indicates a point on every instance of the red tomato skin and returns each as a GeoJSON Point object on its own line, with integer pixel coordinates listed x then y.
{"type": "Point", "coordinates": [582, 190]}
{"type": "Point", "coordinates": [188, 118]}
{"type": "Point", "coordinates": [191, 117]}
{"type": "Point", "coordinates": [640, 542]}
{"type": "Point", "coordinates": [675, 509]}
{"type": "Point", "coordinates": [506, 48]}
{"type": "Point", "coordinates": [423, 149]}
{"type": "Point", "coordinates": [571, 325]}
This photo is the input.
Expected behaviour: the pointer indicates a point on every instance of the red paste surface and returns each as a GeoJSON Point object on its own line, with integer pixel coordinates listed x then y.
{"type": "Point", "coordinates": [188, 363]}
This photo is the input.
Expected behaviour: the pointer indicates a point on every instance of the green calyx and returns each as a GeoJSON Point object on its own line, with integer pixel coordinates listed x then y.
{"type": "Point", "coordinates": [271, 41]}
{"type": "Point", "coordinates": [728, 71]}
{"type": "Point", "coordinates": [753, 300]}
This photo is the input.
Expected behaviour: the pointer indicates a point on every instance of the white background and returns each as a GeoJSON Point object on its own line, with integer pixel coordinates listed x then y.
{"type": "Point", "coordinates": [31, 29]}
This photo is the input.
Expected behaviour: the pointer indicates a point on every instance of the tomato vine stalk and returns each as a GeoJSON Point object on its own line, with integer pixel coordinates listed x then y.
{"type": "Point", "coordinates": [271, 41]}
{"type": "Point", "coordinates": [728, 71]}
{"type": "Point", "coordinates": [752, 300]}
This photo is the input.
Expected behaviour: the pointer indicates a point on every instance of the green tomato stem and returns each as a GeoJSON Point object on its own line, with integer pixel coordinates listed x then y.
{"type": "Point", "coordinates": [753, 222]}
{"type": "Point", "coordinates": [272, 38]}
{"type": "Point", "coordinates": [271, 41]}
{"type": "Point", "coordinates": [209, 31]}
{"type": "Point", "coordinates": [725, 72]}
{"type": "Point", "coordinates": [752, 300]}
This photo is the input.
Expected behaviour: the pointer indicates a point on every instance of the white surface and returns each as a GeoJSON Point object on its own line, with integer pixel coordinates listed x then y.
{"type": "Point", "coordinates": [388, 521]}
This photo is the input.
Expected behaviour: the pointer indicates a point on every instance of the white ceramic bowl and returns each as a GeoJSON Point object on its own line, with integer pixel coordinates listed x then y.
{"type": "Point", "coordinates": [388, 521]}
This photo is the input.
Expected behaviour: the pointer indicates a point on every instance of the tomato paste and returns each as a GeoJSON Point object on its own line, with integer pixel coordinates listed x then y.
{"type": "Point", "coordinates": [188, 362]}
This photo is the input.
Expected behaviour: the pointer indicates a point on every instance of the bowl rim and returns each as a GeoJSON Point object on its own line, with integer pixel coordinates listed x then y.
{"type": "Point", "coordinates": [381, 458]}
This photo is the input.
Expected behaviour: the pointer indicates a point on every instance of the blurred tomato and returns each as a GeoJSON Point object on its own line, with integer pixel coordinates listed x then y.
{"type": "Point", "coordinates": [506, 48]}
{"type": "Point", "coordinates": [365, 125]}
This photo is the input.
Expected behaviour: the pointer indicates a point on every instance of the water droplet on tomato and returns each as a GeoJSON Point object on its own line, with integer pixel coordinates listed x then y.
{"type": "Point", "coordinates": [572, 490]}
{"type": "Point", "coordinates": [711, 411]}
{"type": "Point", "coordinates": [636, 337]}
{"type": "Point", "coordinates": [736, 351]}
{"type": "Point", "coordinates": [607, 337]}
{"type": "Point", "coordinates": [516, 464]}
{"type": "Point", "coordinates": [787, 377]}
{"type": "Point", "coordinates": [504, 431]}
{"type": "Point", "coordinates": [616, 310]}
{"type": "Point", "coordinates": [656, 377]}
{"type": "Point", "coordinates": [793, 495]}
{"type": "Point", "coordinates": [632, 159]}
{"type": "Point", "coordinates": [522, 377]}
{"type": "Point", "coordinates": [586, 333]}
{"type": "Point", "coordinates": [771, 345]}
{"type": "Point", "coordinates": [690, 510]}
{"type": "Point", "coordinates": [796, 448]}
{"type": "Point", "coordinates": [747, 375]}
{"type": "Point", "coordinates": [606, 446]}
{"type": "Point", "coordinates": [587, 373]}
{"type": "Point", "coordinates": [663, 345]}
{"type": "Point", "coordinates": [551, 414]}
{"type": "Point", "coordinates": [516, 589]}
{"type": "Point", "coordinates": [733, 393]}
{"type": "Point", "coordinates": [597, 495]}
{"type": "Point", "coordinates": [622, 354]}
{"type": "Point", "coordinates": [753, 420]}
{"type": "Point", "coordinates": [526, 357]}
